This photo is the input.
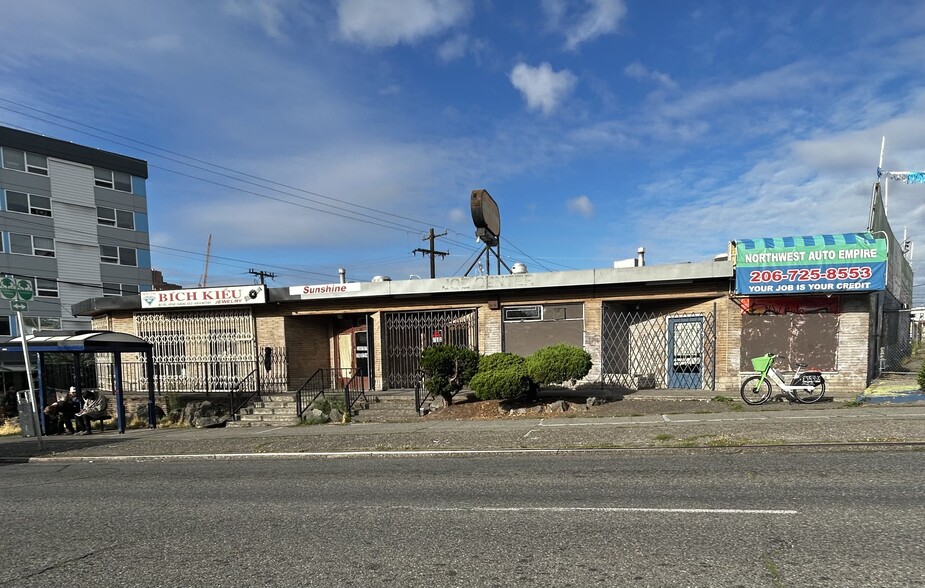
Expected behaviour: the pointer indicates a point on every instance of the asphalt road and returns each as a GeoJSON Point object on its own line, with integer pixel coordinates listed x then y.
{"type": "Point", "coordinates": [898, 424]}
{"type": "Point", "coordinates": [671, 517]}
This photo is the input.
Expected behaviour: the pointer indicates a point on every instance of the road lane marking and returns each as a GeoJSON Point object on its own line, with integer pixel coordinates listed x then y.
{"type": "Point", "coordinates": [665, 418]}
{"type": "Point", "coordinates": [607, 509]}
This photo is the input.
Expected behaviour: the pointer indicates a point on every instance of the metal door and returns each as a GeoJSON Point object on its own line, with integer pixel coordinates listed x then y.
{"type": "Point", "coordinates": [685, 352]}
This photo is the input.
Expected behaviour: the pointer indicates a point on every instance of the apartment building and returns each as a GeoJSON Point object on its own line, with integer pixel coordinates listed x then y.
{"type": "Point", "coordinates": [74, 222]}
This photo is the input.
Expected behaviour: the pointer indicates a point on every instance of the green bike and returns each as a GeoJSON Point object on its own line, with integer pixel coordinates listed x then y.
{"type": "Point", "coordinates": [805, 387]}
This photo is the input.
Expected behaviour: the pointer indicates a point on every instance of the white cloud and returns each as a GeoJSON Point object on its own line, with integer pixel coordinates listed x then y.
{"type": "Point", "coordinates": [638, 71]}
{"type": "Point", "coordinates": [543, 88]}
{"type": "Point", "coordinates": [268, 14]}
{"type": "Point", "coordinates": [386, 24]}
{"type": "Point", "coordinates": [581, 205]}
{"type": "Point", "coordinates": [600, 18]}
{"type": "Point", "coordinates": [453, 49]}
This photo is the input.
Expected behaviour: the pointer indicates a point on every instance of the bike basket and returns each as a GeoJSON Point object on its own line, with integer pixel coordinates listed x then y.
{"type": "Point", "coordinates": [762, 363]}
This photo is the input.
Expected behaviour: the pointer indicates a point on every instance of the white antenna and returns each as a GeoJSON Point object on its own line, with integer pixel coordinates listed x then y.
{"type": "Point", "coordinates": [886, 179]}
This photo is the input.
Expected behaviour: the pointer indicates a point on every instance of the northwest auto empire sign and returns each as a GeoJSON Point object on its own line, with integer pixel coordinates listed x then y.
{"type": "Point", "coordinates": [818, 264]}
{"type": "Point", "coordinates": [223, 295]}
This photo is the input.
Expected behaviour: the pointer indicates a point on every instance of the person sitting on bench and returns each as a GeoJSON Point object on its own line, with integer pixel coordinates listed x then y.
{"type": "Point", "coordinates": [94, 409]}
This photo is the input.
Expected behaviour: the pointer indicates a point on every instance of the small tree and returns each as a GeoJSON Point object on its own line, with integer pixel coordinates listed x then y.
{"type": "Point", "coordinates": [447, 369]}
{"type": "Point", "coordinates": [501, 375]}
{"type": "Point", "coordinates": [558, 363]}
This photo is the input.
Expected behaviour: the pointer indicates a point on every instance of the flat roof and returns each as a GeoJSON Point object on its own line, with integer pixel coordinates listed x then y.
{"type": "Point", "coordinates": [49, 147]}
{"type": "Point", "coordinates": [655, 276]}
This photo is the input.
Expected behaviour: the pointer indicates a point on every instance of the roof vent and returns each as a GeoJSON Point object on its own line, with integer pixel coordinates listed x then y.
{"type": "Point", "coordinates": [381, 279]}
{"type": "Point", "coordinates": [519, 268]}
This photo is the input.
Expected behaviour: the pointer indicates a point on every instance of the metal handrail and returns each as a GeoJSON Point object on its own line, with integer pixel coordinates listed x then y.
{"type": "Point", "coordinates": [316, 391]}
{"type": "Point", "coordinates": [351, 399]}
{"type": "Point", "coordinates": [234, 408]}
{"type": "Point", "coordinates": [418, 399]}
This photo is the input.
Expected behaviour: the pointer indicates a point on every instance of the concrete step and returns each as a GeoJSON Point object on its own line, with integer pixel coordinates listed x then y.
{"type": "Point", "coordinates": [271, 404]}
{"type": "Point", "coordinates": [391, 410]}
{"type": "Point", "coordinates": [268, 420]}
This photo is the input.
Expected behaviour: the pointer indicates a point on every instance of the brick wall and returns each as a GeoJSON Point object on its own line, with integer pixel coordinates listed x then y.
{"type": "Point", "coordinates": [308, 346]}
{"type": "Point", "coordinates": [853, 345]}
{"type": "Point", "coordinates": [490, 330]}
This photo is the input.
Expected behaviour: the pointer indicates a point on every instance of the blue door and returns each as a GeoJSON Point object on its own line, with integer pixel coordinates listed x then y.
{"type": "Point", "coordinates": [685, 352]}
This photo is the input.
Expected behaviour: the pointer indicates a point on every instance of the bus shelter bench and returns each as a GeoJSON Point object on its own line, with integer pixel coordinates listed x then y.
{"type": "Point", "coordinates": [102, 419]}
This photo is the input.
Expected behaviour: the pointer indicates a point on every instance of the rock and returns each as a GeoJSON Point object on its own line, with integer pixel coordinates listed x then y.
{"type": "Point", "coordinates": [141, 413]}
{"type": "Point", "coordinates": [438, 403]}
{"type": "Point", "coordinates": [316, 412]}
{"type": "Point", "coordinates": [518, 411]}
{"type": "Point", "coordinates": [203, 414]}
{"type": "Point", "coordinates": [336, 416]}
{"type": "Point", "coordinates": [593, 401]}
{"type": "Point", "coordinates": [536, 409]}
{"type": "Point", "coordinates": [557, 406]}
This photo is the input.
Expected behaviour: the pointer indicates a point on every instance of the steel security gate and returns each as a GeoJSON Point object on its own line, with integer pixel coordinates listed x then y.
{"type": "Point", "coordinates": [207, 351]}
{"type": "Point", "coordinates": [406, 334]}
{"type": "Point", "coordinates": [658, 349]}
{"type": "Point", "coordinates": [685, 352]}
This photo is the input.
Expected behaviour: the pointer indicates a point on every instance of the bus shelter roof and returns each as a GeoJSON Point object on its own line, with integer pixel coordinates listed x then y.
{"type": "Point", "coordinates": [78, 342]}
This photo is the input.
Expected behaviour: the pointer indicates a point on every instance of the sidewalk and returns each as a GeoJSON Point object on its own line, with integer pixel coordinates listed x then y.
{"type": "Point", "coordinates": [793, 424]}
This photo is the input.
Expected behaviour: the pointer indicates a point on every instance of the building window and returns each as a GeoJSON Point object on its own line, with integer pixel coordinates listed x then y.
{"type": "Point", "coordinates": [28, 203]}
{"type": "Point", "coordinates": [105, 178]}
{"type": "Point", "coordinates": [114, 289]}
{"type": "Point", "coordinates": [523, 313]}
{"type": "Point", "coordinates": [118, 255]}
{"type": "Point", "coordinates": [111, 217]}
{"type": "Point", "coordinates": [30, 245]}
{"type": "Point", "coordinates": [5, 330]}
{"type": "Point", "coordinates": [23, 161]}
{"type": "Point", "coordinates": [109, 254]}
{"type": "Point", "coordinates": [46, 288]}
{"type": "Point", "coordinates": [41, 323]}
{"type": "Point", "coordinates": [43, 247]}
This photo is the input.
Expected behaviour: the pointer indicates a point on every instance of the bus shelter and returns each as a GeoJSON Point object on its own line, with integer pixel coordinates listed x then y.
{"type": "Point", "coordinates": [78, 343]}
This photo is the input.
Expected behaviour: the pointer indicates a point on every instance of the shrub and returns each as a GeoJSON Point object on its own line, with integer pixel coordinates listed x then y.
{"type": "Point", "coordinates": [558, 363]}
{"type": "Point", "coordinates": [501, 375]}
{"type": "Point", "coordinates": [447, 369]}
{"type": "Point", "coordinates": [499, 361]}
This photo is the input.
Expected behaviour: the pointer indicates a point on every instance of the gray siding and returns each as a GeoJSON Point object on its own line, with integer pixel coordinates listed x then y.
{"type": "Point", "coordinates": [75, 236]}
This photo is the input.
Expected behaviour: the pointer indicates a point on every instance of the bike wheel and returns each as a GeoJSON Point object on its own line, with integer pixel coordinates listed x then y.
{"type": "Point", "coordinates": [811, 396]}
{"type": "Point", "coordinates": [753, 393]}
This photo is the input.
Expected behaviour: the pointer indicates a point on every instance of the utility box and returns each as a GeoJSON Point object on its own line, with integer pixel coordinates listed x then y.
{"type": "Point", "coordinates": [26, 417]}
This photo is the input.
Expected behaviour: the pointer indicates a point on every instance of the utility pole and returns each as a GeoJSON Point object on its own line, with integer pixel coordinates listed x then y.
{"type": "Point", "coordinates": [261, 274]}
{"type": "Point", "coordinates": [432, 252]}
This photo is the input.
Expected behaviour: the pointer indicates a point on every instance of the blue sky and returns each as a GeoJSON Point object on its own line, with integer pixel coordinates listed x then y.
{"type": "Point", "coordinates": [308, 136]}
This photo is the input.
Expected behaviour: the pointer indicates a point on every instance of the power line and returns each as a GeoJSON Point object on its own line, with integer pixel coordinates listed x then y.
{"type": "Point", "coordinates": [351, 215]}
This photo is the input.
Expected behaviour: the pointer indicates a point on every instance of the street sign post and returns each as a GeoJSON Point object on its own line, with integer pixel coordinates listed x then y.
{"type": "Point", "coordinates": [19, 291]}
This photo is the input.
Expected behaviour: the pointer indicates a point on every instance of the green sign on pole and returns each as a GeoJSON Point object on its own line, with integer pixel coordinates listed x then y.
{"type": "Point", "coordinates": [8, 288]}
{"type": "Point", "coordinates": [24, 290]}
{"type": "Point", "coordinates": [13, 289]}
{"type": "Point", "coordinates": [19, 305]}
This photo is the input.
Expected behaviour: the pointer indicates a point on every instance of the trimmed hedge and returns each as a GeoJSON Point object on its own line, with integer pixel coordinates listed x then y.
{"type": "Point", "coordinates": [448, 368]}
{"type": "Point", "coordinates": [558, 363]}
{"type": "Point", "coordinates": [501, 375]}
